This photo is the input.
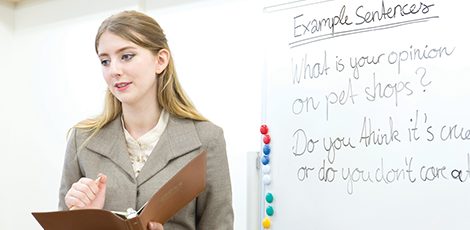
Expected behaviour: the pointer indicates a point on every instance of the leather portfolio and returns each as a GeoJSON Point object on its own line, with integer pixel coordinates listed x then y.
{"type": "Point", "coordinates": [173, 196]}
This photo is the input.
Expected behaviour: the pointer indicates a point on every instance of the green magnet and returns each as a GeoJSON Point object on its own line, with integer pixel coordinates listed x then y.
{"type": "Point", "coordinates": [270, 210]}
{"type": "Point", "coordinates": [269, 197]}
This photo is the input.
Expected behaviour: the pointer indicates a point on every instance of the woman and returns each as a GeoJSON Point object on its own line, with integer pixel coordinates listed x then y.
{"type": "Point", "coordinates": [148, 130]}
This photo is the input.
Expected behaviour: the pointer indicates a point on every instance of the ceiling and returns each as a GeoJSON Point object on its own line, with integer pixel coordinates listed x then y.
{"type": "Point", "coordinates": [12, 0]}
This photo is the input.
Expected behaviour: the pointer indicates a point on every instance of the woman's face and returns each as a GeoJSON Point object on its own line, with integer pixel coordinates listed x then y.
{"type": "Point", "coordinates": [129, 70]}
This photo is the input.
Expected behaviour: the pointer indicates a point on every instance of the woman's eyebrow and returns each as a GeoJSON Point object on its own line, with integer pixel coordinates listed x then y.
{"type": "Point", "coordinates": [117, 51]}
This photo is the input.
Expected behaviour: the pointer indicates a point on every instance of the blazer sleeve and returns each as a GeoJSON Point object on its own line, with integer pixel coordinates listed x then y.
{"type": "Point", "coordinates": [71, 171]}
{"type": "Point", "coordinates": [214, 206]}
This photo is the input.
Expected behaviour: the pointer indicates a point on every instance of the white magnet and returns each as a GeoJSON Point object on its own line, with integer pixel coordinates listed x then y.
{"type": "Point", "coordinates": [266, 179]}
{"type": "Point", "coordinates": [266, 169]}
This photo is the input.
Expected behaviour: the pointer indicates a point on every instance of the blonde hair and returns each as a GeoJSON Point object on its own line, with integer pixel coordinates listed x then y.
{"type": "Point", "coordinates": [143, 31]}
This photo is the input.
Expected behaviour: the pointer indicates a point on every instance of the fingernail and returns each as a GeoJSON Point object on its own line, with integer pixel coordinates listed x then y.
{"type": "Point", "coordinates": [151, 225]}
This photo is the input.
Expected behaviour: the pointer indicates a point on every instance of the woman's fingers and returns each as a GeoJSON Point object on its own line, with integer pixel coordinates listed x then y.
{"type": "Point", "coordinates": [84, 191]}
{"type": "Point", "coordinates": [155, 226]}
{"type": "Point", "coordinates": [71, 201]}
{"type": "Point", "coordinates": [90, 184]}
{"type": "Point", "coordinates": [81, 193]}
{"type": "Point", "coordinates": [101, 185]}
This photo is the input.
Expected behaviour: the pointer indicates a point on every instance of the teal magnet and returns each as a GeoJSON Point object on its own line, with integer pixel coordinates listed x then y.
{"type": "Point", "coordinates": [270, 210]}
{"type": "Point", "coordinates": [269, 197]}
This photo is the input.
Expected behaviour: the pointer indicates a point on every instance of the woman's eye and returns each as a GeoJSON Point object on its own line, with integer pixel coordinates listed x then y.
{"type": "Point", "coordinates": [105, 62]}
{"type": "Point", "coordinates": [127, 56]}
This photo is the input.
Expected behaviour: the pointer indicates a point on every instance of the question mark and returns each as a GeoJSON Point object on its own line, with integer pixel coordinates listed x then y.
{"type": "Point", "coordinates": [424, 74]}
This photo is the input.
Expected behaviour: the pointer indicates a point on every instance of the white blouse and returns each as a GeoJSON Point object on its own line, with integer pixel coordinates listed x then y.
{"type": "Point", "coordinates": [140, 149]}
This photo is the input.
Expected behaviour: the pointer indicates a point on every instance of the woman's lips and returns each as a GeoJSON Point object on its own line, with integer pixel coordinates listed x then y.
{"type": "Point", "coordinates": [120, 86]}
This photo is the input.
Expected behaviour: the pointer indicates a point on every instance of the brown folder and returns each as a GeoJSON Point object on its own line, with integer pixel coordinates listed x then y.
{"type": "Point", "coordinates": [173, 196]}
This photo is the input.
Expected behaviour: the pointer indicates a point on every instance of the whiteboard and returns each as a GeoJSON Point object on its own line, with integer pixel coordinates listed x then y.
{"type": "Point", "coordinates": [367, 108]}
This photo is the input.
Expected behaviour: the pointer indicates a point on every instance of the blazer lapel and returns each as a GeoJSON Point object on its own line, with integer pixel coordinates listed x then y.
{"type": "Point", "coordinates": [180, 137]}
{"type": "Point", "coordinates": [111, 143]}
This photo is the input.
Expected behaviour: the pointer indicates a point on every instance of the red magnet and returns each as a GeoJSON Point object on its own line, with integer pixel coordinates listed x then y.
{"type": "Point", "coordinates": [263, 129]}
{"type": "Point", "coordinates": [266, 139]}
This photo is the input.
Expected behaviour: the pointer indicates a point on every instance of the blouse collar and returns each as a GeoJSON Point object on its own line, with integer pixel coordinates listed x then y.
{"type": "Point", "coordinates": [151, 138]}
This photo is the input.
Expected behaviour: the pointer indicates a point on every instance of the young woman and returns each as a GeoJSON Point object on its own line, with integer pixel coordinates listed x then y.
{"type": "Point", "coordinates": [148, 131]}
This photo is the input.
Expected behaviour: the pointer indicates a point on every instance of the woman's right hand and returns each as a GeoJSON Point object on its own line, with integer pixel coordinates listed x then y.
{"type": "Point", "coordinates": [86, 194]}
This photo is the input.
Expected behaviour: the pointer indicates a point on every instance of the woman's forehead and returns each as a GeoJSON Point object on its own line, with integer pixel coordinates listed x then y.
{"type": "Point", "coordinates": [110, 42]}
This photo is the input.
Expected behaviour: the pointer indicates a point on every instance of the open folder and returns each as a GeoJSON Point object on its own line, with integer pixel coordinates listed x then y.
{"type": "Point", "coordinates": [173, 196]}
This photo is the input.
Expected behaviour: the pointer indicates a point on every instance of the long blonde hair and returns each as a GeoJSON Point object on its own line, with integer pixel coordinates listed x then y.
{"type": "Point", "coordinates": [143, 31]}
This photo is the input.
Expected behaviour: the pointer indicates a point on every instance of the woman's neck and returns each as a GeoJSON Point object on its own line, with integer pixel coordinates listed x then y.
{"type": "Point", "coordinates": [140, 120]}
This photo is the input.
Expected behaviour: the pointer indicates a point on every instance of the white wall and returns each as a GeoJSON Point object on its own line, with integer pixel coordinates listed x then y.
{"type": "Point", "coordinates": [8, 113]}
{"type": "Point", "coordinates": [54, 80]}
{"type": "Point", "coordinates": [217, 54]}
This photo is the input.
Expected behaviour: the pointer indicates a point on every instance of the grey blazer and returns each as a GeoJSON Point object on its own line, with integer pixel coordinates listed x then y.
{"type": "Point", "coordinates": [183, 139]}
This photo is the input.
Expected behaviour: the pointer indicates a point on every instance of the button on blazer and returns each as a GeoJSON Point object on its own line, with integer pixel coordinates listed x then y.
{"type": "Point", "coordinates": [106, 152]}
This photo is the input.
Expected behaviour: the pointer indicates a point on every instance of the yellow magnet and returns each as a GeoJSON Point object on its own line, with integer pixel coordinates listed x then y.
{"type": "Point", "coordinates": [266, 223]}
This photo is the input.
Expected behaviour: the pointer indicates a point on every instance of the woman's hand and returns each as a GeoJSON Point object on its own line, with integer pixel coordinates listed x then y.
{"type": "Point", "coordinates": [86, 194]}
{"type": "Point", "coordinates": [155, 226]}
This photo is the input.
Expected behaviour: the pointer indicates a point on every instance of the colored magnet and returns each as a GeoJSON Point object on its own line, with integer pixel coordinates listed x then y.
{"type": "Point", "coordinates": [266, 139]}
{"type": "Point", "coordinates": [266, 169]}
{"type": "Point", "coordinates": [266, 223]}
{"type": "Point", "coordinates": [263, 129]}
{"type": "Point", "coordinates": [266, 179]}
{"type": "Point", "coordinates": [265, 160]}
{"type": "Point", "coordinates": [266, 149]}
{"type": "Point", "coordinates": [269, 197]}
{"type": "Point", "coordinates": [270, 210]}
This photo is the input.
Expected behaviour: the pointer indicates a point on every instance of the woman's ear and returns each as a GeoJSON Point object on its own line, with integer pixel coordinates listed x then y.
{"type": "Point", "coordinates": [163, 57]}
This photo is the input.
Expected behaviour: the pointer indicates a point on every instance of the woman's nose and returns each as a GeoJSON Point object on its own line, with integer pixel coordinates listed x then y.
{"type": "Point", "coordinates": [116, 70]}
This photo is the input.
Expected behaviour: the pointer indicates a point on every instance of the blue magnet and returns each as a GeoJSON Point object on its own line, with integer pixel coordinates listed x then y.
{"type": "Point", "coordinates": [265, 160]}
{"type": "Point", "coordinates": [266, 149]}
